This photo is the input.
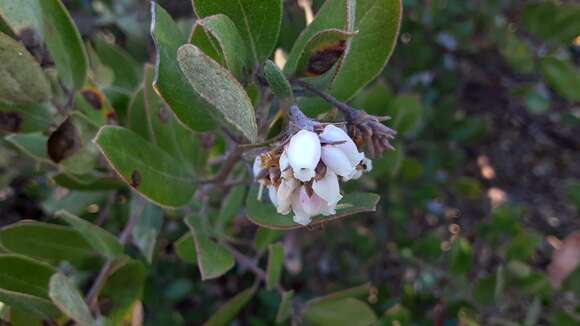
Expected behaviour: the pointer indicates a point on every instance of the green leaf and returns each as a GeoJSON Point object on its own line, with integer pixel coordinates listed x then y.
{"type": "Point", "coordinates": [389, 163]}
{"type": "Point", "coordinates": [573, 191]}
{"type": "Point", "coordinates": [357, 291]}
{"type": "Point", "coordinates": [264, 214]}
{"type": "Point", "coordinates": [461, 257]}
{"type": "Point", "coordinates": [147, 228]}
{"type": "Point", "coordinates": [377, 23]}
{"type": "Point", "coordinates": [87, 182]}
{"type": "Point", "coordinates": [45, 241]}
{"type": "Point", "coordinates": [258, 21]}
{"type": "Point", "coordinates": [231, 207]}
{"type": "Point", "coordinates": [219, 38]}
{"type": "Point", "coordinates": [523, 245]}
{"type": "Point", "coordinates": [126, 72]}
{"type": "Point", "coordinates": [51, 20]}
{"type": "Point", "coordinates": [346, 311]}
{"type": "Point", "coordinates": [275, 261]}
{"type": "Point", "coordinates": [65, 295]}
{"type": "Point", "coordinates": [185, 248]}
{"type": "Point", "coordinates": [469, 187]}
{"type": "Point", "coordinates": [285, 307]}
{"type": "Point", "coordinates": [123, 288]}
{"type": "Point", "coordinates": [170, 83]}
{"type": "Point", "coordinates": [147, 168]}
{"type": "Point", "coordinates": [277, 81]}
{"type": "Point", "coordinates": [265, 236]}
{"type": "Point", "coordinates": [23, 81]}
{"type": "Point", "coordinates": [26, 118]}
{"type": "Point", "coordinates": [33, 145]}
{"type": "Point", "coordinates": [407, 114]}
{"type": "Point", "coordinates": [24, 275]}
{"type": "Point", "coordinates": [218, 87]}
{"type": "Point", "coordinates": [562, 76]}
{"type": "Point", "coordinates": [102, 241]}
{"type": "Point", "coordinates": [38, 307]}
{"type": "Point", "coordinates": [557, 22]}
{"type": "Point", "coordinates": [231, 308]}
{"type": "Point", "coordinates": [516, 52]}
{"type": "Point", "coordinates": [149, 117]}
{"type": "Point", "coordinates": [213, 259]}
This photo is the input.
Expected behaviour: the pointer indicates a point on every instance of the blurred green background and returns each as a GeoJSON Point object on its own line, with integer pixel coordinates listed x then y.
{"type": "Point", "coordinates": [483, 186]}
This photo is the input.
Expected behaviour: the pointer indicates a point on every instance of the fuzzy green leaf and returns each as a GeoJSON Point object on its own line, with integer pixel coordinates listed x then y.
{"type": "Point", "coordinates": [146, 167]}
{"type": "Point", "coordinates": [220, 88]}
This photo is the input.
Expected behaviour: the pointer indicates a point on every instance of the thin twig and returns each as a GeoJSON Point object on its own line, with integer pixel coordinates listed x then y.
{"type": "Point", "coordinates": [107, 268]}
{"type": "Point", "coordinates": [347, 110]}
{"type": "Point", "coordinates": [251, 265]}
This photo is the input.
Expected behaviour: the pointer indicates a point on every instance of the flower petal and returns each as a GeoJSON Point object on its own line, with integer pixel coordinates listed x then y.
{"type": "Point", "coordinates": [336, 160]}
{"type": "Point", "coordinates": [305, 206]}
{"type": "Point", "coordinates": [284, 163]}
{"type": "Point", "coordinates": [332, 133]}
{"type": "Point", "coordinates": [257, 167]}
{"type": "Point", "coordinates": [304, 154]}
{"type": "Point", "coordinates": [284, 195]}
{"type": "Point", "coordinates": [328, 188]}
{"type": "Point", "coordinates": [273, 196]}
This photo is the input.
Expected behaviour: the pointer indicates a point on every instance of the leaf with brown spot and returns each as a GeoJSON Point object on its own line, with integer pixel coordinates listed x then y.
{"type": "Point", "coordinates": [10, 121]}
{"type": "Point", "coordinates": [135, 179]}
{"type": "Point", "coordinates": [565, 259]}
{"type": "Point", "coordinates": [93, 98]}
{"type": "Point", "coordinates": [63, 142]}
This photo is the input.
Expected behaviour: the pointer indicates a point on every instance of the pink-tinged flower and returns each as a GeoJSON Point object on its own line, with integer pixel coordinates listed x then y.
{"type": "Point", "coordinates": [341, 140]}
{"type": "Point", "coordinates": [328, 188]}
{"type": "Point", "coordinates": [337, 161]}
{"type": "Point", "coordinates": [303, 154]}
{"type": "Point", "coordinates": [305, 206]}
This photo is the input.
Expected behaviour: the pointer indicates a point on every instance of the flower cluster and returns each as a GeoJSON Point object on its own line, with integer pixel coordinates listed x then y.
{"type": "Point", "coordinates": [302, 174]}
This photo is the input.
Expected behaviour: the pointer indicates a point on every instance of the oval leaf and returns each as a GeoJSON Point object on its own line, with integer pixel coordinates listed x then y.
{"type": "Point", "coordinates": [258, 21]}
{"type": "Point", "coordinates": [38, 307]}
{"type": "Point", "coordinates": [23, 80]}
{"type": "Point", "coordinates": [68, 299]}
{"type": "Point", "coordinates": [230, 309]}
{"type": "Point", "coordinates": [277, 81]}
{"type": "Point", "coordinates": [220, 88]}
{"type": "Point", "coordinates": [219, 35]}
{"type": "Point", "coordinates": [24, 275]}
{"type": "Point", "coordinates": [45, 241]}
{"type": "Point", "coordinates": [274, 269]}
{"type": "Point", "coordinates": [170, 82]}
{"type": "Point", "coordinates": [102, 241]}
{"type": "Point", "coordinates": [213, 259]}
{"type": "Point", "coordinates": [264, 214]}
{"type": "Point", "coordinates": [147, 168]}
{"type": "Point", "coordinates": [347, 311]}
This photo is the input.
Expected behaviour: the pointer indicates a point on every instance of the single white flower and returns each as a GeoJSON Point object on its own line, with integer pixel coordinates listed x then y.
{"type": "Point", "coordinates": [304, 154]}
{"type": "Point", "coordinates": [337, 161]}
{"type": "Point", "coordinates": [328, 188]}
{"type": "Point", "coordinates": [333, 134]}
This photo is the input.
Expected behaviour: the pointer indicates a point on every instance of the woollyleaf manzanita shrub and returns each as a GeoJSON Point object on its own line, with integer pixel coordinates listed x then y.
{"type": "Point", "coordinates": [180, 156]}
{"type": "Point", "coordinates": [211, 116]}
